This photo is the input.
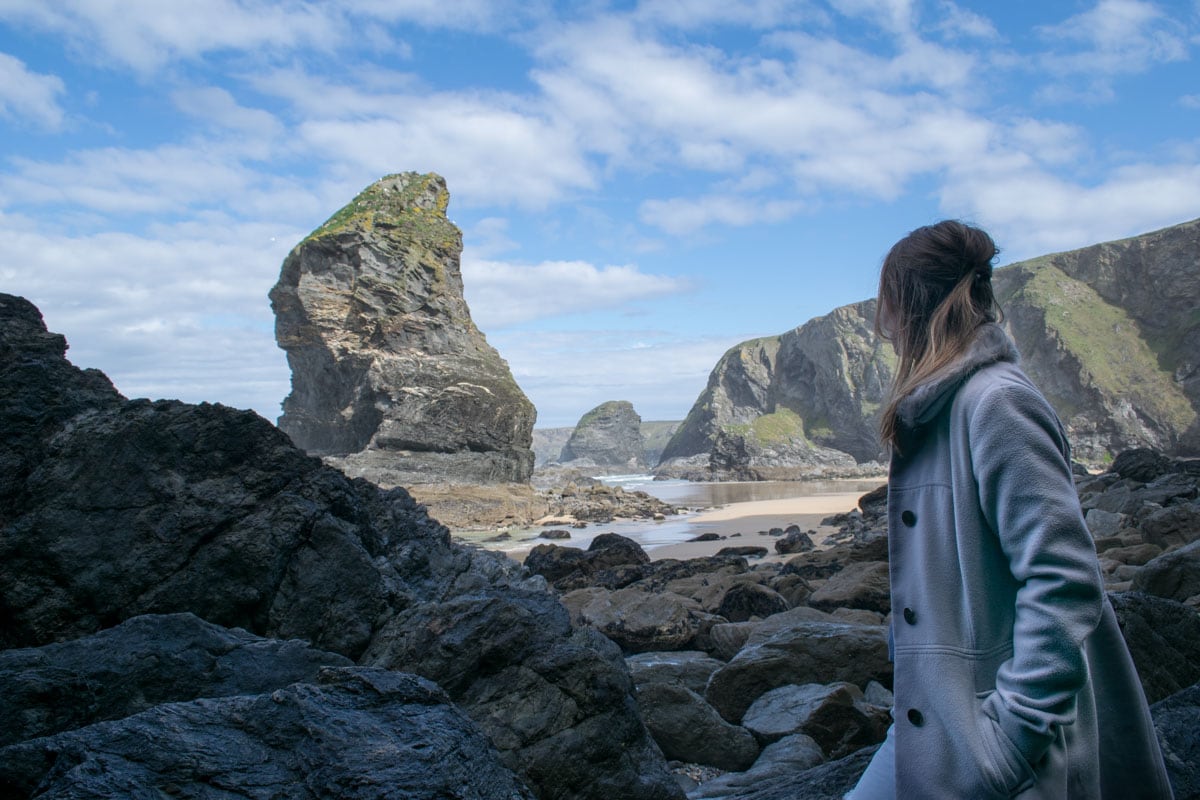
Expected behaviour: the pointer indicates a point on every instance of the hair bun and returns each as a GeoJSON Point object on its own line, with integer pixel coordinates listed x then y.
{"type": "Point", "coordinates": [978, 252]}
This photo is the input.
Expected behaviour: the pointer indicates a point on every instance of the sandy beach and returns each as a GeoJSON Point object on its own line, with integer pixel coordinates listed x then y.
{"type": "Point", "coordinates": [740, 524]}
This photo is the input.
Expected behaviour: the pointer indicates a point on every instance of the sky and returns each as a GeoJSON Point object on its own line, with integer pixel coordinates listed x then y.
{"type": "Point", "coordinates": [640, 185]}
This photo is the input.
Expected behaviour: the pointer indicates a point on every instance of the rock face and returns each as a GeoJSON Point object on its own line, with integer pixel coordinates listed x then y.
{"type": "Point", "coordinates": [390, 377]}
{"type": "Point", "coordinates": [116, 509]}
{"type": "Point", "coordinates": [1114, 352]}
{"type": "Point", "coordinates": [610, 435]}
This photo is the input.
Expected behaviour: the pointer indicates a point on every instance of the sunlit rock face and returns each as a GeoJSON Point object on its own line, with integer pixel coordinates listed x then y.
{"type": "Point", "coordinates": [391, 380]}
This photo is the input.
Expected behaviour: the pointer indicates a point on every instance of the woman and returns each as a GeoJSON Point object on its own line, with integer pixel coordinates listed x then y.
{"type": "Point", "coordinates": [1011, 675]}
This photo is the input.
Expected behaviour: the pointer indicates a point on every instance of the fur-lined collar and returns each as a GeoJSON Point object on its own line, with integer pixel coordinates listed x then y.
{"type": "Point", "coordinates": [991, 344]}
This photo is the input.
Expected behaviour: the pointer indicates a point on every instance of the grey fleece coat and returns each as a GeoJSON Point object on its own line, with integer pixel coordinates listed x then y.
{"type": "Point", "coordinates": [1011, 675]}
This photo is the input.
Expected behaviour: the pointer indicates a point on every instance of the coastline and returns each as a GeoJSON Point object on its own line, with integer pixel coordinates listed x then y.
{"type": "Point", "coordinates": [740, 524]}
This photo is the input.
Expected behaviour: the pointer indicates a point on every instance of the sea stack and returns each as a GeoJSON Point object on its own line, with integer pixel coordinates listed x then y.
{"type": "Point", "coordinates": [391, 380]}
{"type": "Point", "coordinates": [609, 436]}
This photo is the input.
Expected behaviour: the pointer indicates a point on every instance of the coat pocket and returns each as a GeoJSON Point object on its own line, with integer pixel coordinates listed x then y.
{"type": "Point", "coordinates": [1008, 772]}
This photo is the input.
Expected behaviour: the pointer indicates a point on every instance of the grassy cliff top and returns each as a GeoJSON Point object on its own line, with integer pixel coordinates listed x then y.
{"type": "Point", "coordinates": [412, 202]}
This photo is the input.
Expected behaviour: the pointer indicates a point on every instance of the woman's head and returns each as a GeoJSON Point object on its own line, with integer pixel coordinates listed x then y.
{"type": "Point", "coordinates": [935, 290]}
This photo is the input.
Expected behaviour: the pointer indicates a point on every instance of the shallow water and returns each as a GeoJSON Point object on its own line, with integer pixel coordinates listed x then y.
{"type": "Point", "coordinates": [683, 495]}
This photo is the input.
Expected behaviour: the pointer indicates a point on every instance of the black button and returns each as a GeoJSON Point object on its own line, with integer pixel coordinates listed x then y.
{"type": "Point", "coordinates": [915, 717]}
{"type": "Point", "coordinates": [910, 616]}
{"type": "Point", "coordinates": [908, 518]}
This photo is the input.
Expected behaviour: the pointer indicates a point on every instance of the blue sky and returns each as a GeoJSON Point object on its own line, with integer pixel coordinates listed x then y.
{"type": "Point", "coordinates": [641, 185]}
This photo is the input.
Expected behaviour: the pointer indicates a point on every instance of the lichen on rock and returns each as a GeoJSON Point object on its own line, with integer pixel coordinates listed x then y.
{"type": "Point", "coordinates": [391, 380]}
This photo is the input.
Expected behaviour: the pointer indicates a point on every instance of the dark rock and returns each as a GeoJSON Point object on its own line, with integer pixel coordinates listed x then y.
{"type": "Point", "coordinates": [835, 715]}
{"type": "Point", "coordinates": [706, 537]}
{"type": "Point", "coordinates": [141, 663]}
{"type": "Point", "coordinates": [690, 669]}
{"type": "Point", "coordinates": [874, 502]}
{"type": "Point", "coordinates": [787, 757]}
{"type": "Point", "coordinates": [803, 652]}
{"type": "Point", "coordinates": [1140, 464]}
{"type": "Point", "coordinates": [555, 563]}
{"type": "Point", "coordinates": [860, 585]}
{"type": "Point", "coordinates": [389, 373]}
{"type": "Point", "coordinates": [361, 733]}
{"type": "Point", "coordinates": [749, 551]}
{"type": "Point", "coordinates": [555, 533]}
{"type": "Point", "coordinates": [746, 600]}
{"type": "Point", "coordinates": [131, 508]}
{"type": "Point", "coordinates": [689, 729]}
{"type": "Point", "coordinates": [611, 549]}
{"type": "Point", "coordinates": [1172, 526]}
{"type": "Point", "coordinates": [829, 781]}
{"type": "Point", "coordinates": [1174, 575]}
{"type": "Point", "coordinates": [1164, 640]}
{"type": "Point", "coordinates": [1177, 720]}
{"type": "Point", "coordinates": [792, 588]}
{"type": "Point", "coordinates": [610, 435]}
{"type": "Point", "coordinates": [636, 620]}
{"type": "Point", "coordinates": [794, 542]}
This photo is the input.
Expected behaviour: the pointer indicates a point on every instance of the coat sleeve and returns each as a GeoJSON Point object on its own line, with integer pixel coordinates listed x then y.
{"type": "Point", "coordinates": [1027, 494]}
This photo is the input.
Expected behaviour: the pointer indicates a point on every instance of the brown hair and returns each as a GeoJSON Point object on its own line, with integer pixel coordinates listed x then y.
{"type": "Point", "coordinates": [935, 290]}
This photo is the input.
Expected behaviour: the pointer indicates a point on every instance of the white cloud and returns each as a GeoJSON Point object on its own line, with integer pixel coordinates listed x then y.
{"type": "Point", "coordinates": [691, 14]}
{"type": "Point", "coordinates": [501, 294]}
{"type": "Point", "coordinates": [219, 108]}
{"type": "Point", "coordinates": [1114, 37]}
{"type": "Point", "coordinates": [957, 22]}
{"type": "Point", "coordinates": [27, 96]}
{"type": "Point", "coordinates": [682, 215]}
{"type": "Point", "coordinates": [1020, 202]}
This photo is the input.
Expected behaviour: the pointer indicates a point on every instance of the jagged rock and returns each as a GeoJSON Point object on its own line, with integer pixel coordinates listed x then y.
{"type": "Point", "coordinates": [390, 376]}
{"type": "Point", "coordinates": [1174, 575]}
{"type": "Point", "coordinates": [835, 715]}
{"type": "Point", "coordinates": [749, 551]}
{"type": "Point", "coordinates": [126, 508]}
{"type": "Point", "coordinates": [1140, 464]}
{"type": "Point", "coordinates": [1172, 526]}
{"type": "Point", "coordinates": [360, 733]}
{"type": "Point", "coordinates": [1164, 640]}
{"type": "Point", "coordinates": [1176, 720]}
{"type": "Point", "coordinates": [788, 756]}
{"type": "Point", "coordinates": [690, 669]}
{"type": "Point", "coordinates": [859, 585]}
{"type": "Point", "coordinates": [610, 435]}
{"type": "Point", "coordinates": [804, 652]}
{"type": "Point", "coordinates": [795, 542]}
{"type": "Point", "coordinates": [689, 729]}
{"type": "Point", "coordinates": [143, 662]}
{"type": "Point", "coordinates": [828, 781]}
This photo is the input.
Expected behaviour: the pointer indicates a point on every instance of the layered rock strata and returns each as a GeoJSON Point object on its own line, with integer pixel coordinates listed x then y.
{"type": "Point", "coordinates": [1110, 333]}
{"type": "Point", "coordinates": [111, 510]}
{"type": "Point", "coordinates": [391, 380]}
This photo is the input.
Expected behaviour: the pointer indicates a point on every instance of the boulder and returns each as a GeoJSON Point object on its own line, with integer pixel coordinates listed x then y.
{"type": "Point", "coordinates": [636, 620]}
{"type": "Point", "coordinates": [748, 551]}
{"type": "Point", "coordinates": [390, 377]}
{"type": "Point", "coordinates": [1174, 575]}
{"type": "Point", "coordinates": [786, 757]}
{"type": "Point", "coordinates": [804, 652]}
{"type": "Point", "coordinates": [859, 585]}
{"type": "Point", "coordinates": [828, 781]}
{"type": "Point", "coordinates": [746, 600]}
{"type": "Point", "coordinates": [1163, 637]}
{"type": "Point", "coordinates": [835, 715]}
{"type": "Point", "coordinates": [143, 662]}
{"type": "Point", "coordinates": [357, 733]}
{"type": "Point", "coordinates": [1172, 526]}
{"type": "Point", "coordinates": [794, 542]}
{"type": "Point", "coordinates": [1140, 464]}
{"type": "Point", "coordinates": [690, 669]}
{"type": "Point", "coordinates": [688, 729]}
{"type": "Point", "coordinates": [1176, 720]}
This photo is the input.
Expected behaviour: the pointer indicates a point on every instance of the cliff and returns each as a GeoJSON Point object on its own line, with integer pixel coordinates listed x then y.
{"type": "Point", "coordinates": [1109, 332]}
{"type": "Point", "coordinates": [391, 380]}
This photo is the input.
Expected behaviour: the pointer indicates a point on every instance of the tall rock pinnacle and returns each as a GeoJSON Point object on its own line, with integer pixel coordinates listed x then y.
{"type": "Point", "coordinates": [391, 380]}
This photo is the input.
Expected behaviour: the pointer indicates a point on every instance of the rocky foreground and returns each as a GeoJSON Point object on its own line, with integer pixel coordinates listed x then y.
{"type": "Point", "coordinates": [767, 681]}
{"type": "Point", "coordinates": [191, 606]}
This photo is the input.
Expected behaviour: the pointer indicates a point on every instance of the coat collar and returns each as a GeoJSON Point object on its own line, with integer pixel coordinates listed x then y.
{"type": "Point", "coordinates": [990, 344]}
